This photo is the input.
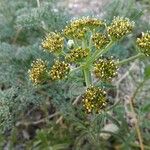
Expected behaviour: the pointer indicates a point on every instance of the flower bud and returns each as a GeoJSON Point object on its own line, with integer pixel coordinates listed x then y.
{"type": "Point", "coordinates": [105, 69]}
{"type": "Point", "coordinates": [38, 71]}
{"type": "Point", "coordinates": [100, 40]}
{"type": "Point", "coordinates": [120, 27]}
{"type": "Point", "coordinates": [59, 70]}
{"type": "Point", "coordinates": [144, 43]}
{"type": "Point", "coordinates": [77, 55]}
{"type": "Point", "coordinates": [53, 43]}
{"type": "Point", "coordinates": [94, 99]}
{"type": "Point", "coordinates": [79, 27]}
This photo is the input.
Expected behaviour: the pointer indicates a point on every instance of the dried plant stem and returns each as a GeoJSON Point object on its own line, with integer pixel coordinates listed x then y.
{"type": "Point", "coordinates": [59, 119]}
{"type": "Point", "coordinates": [119, 147]}
{"type": "Point", "coordinates": [76, 100]}
{"type": "Point", "coordinates": [137, 128]}
{"type": "Point", "coordinates": [24, 123]}
{"type": "Point", "coordinates": [117, 100]}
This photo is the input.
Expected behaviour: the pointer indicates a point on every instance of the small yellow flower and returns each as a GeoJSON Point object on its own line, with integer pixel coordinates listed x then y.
{"type": "Point", "coordinates": [120, 27]}
{"type": "Point", "coordinates": [53, 43]}
{"type": "Point", "coordinates": [77, 54]}
{"type": "Point", "coordinates": [38, 71]}
{"type": "Point", "coordinates": [105, 69]}
{"type": "Point", "coordinates": [59, 70]}
{"type": "Point", "coordinates": [94, 99]}
{"type": "Point", "coordinates": [100, 40]}
{"type": "Point", "coordinates": [87, 22]}
{"type": "Point", "coordinates": [79, 27]}
{"type": "Point", "coordinates": [144, 43]}
{"type": "Point", "coordinates": [74, 32]}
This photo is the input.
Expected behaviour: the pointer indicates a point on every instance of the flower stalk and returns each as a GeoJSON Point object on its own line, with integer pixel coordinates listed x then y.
{"type": "Point", "coordinates": [130, 59]}
{"type": "Point", "coordinates": [87, 44]}
{"type": "Point", "coordinates": [87, 76]}
{"type": "Point", "coordinates": [98, 53]}
{"type": "Point", "coordinates": [104, 50]}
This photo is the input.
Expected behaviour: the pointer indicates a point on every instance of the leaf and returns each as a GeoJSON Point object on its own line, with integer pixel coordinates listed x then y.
{"type": "Point", "coordinates": [146, 108]}
{"type": "Point", "coordinates": [60, 146]}
{"type": "Point", "coordinates": [116, 122]}
{"type": "Point", "coordinates": [147, 72]}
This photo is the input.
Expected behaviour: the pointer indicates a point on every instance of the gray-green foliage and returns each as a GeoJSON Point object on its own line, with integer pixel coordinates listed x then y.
{"type": "Point", "coordinates": [21, 30]}
{"type": "Point", "coordinates": [44, 16]}
{"type": "Point", "coordinates": [22, 26]}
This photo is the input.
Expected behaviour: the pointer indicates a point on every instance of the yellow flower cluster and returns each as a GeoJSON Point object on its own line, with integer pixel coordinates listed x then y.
{"type": "Point", "coordinates": [94, 99]}
{"type": "Point", "coordinates": [53, 42]}
{"type": "Point", "coordinates": [77, 54]}
{"type": "Point", "coordinates": [78, 28]}
{"type": "Point", "coordinates": [144, 43]}
{"type": "Point", "coordinates": [38, 71]}
{"type": "Point", "coordinates": [59, 70]}
{"type": "Point", "coordinates": [100, 40]}
{"type": "Point", "coordinates": [120, 27]}
{"type": "Point", "coordinates": [105, 69]}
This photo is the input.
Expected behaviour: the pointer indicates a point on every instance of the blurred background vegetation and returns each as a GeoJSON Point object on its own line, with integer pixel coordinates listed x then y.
{"type": "Point", "coordinates": [44, 117]}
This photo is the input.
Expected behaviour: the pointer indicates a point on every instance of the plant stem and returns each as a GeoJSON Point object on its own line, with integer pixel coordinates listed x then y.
{"type": "Point", "coordinates": [118, 147]}
{"type": "Point", "coordinates": [131, 103]}
{"type": "Point", "coordinates": [90, 40]}
{"type": "Point", "coordinates": [137, 128]}
{"type": "Point", "coordinates": [98, 53]}
{"type": "Point", "coordinates": [87, 76]}
{"type": "Point", "coordinates": [76, 43]}
{"type": "Point", "coordinates": [105, 49]}
{"type": "Point", "coordinates": [130, 59]}
{"type": "Point", "coordinates": [38, 3]}
{"type": "Point", "coordinates": [63, 53]}
{"type": "Point", "coordinates": [136, 145]}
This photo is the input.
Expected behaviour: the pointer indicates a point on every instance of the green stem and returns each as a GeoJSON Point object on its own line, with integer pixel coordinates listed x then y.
{"type": "Point", "coordinates": [90, 40]}
{"type": "Point", "coordinates": [104, 50]}
{"type": "Point", "coordinates": [98, 53]}
{"type": "Point", "coordinates": [130, 59]}
{"type": "Point", "coordinates": [63, 53]}
{"type": "Point", "coordinates": [87, 76]}
{"type": "Point", "coordinates": [76, 43]}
